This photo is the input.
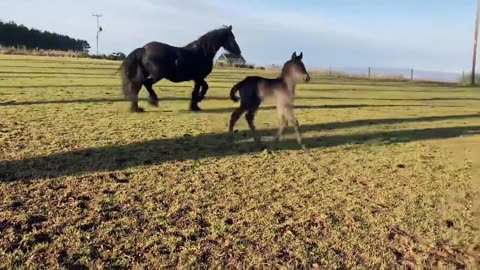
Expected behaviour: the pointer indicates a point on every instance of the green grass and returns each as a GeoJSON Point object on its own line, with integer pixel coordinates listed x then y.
{"type": "Point", "coordinates": [392, 179]}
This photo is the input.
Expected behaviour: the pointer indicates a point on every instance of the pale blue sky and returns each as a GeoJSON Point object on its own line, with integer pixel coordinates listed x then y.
{"type": "Point", "coordinates": [425, 34]}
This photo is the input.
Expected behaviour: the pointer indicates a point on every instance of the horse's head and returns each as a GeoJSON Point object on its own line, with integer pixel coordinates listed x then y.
{"type": "Point", "coordinates": [296, 69]}
{"type": "Point", "coordinates": [229, 43]}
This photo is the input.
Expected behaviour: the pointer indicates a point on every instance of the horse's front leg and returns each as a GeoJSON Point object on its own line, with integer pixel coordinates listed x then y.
{"type": "Point", "coordinates": [204, 90]}
{"type": "Point", "coordinates": [195, 97]}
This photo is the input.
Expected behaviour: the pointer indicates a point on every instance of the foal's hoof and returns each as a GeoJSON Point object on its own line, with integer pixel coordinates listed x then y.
{"type": "Point", "coordinates": [230, 137]}
{"type": "Point", "coordinates": [153, 102]}
{"type": "Point", "coordinates": [137, 110]}
{"type": "Point", "coordinates": [260, 145]}
{"type": "Point", "coordinates": [263, 147]}
{"type": "Point", "coordinates": [305, 149]}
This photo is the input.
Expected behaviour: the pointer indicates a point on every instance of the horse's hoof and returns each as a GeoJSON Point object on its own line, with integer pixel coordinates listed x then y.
{"type": "Point", "coordinates": [153, 102]}
{"type": "Point", "coordinates": [305, 149]}
{"type": "Point", "coordinates": [195, 108]}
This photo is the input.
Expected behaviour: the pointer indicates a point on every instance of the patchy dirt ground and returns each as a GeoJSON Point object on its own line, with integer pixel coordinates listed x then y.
{"type": "Point", "coordinates": [392, 179]}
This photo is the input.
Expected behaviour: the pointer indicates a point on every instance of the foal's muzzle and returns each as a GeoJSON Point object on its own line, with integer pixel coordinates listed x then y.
{"type": "Point", "coordinates": [306, 78]}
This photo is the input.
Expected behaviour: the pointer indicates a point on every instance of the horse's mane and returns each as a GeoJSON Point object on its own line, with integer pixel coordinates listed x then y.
{"type": "Point", "coordinates": [209, 39]}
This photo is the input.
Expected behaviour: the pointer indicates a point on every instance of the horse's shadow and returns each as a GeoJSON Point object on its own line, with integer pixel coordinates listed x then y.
{"type": "Point", "coordinates": [307, 107]}
{"type": "Point", "coordinates": [159, 151]}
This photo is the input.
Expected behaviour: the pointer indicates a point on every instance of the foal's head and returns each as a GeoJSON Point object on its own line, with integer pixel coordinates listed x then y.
{"type": "Point", "coordinates": [295, 69]}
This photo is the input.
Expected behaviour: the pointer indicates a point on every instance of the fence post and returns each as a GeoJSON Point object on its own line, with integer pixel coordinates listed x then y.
{"type": "Point", "coordinates": [369, 71]}
{"type": "Point", "coordinates": [330, 71]}
{"type": "Point", "coordinates": [411, 75]}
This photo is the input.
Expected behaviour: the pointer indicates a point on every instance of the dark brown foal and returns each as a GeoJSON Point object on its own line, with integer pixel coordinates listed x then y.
{"type": "Point", "coordinates": [280, 91]}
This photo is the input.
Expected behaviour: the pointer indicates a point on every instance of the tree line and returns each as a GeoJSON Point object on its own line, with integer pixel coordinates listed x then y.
{"type": "Point", "coordinates": [13, 35]}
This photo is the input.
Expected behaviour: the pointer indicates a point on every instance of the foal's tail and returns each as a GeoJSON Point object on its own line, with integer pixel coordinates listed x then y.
{"type": "Point", "coordinates": [235, 89]}
{"type": "Point", "coordinates": [132, 70]}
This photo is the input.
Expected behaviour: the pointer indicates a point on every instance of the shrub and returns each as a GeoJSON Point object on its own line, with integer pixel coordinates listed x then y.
{"type": "Point", "coordinates": [466, 79]}
{"type": "Point", "coordinates": [56, 53]}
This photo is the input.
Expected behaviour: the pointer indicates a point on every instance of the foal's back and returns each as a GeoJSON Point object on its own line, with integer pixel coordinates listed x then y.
{"type": "Point", "coordinates": [274, 91]}
{"type": "Point", "coordinates": [256, 89]}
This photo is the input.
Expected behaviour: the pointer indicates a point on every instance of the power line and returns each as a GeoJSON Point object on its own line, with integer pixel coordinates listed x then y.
{"type": "Point", "coordinates": [99, 28]}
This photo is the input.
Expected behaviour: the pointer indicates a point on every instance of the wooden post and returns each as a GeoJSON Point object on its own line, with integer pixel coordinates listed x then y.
{"type": "Point", "coordinates": [411, 75]}
{"type": "Point", "coordinates": [475, 42]}
{"type": "Point", "coordinates": [369, 70]}
{"type": "Point", "coordinates": [330, 70]}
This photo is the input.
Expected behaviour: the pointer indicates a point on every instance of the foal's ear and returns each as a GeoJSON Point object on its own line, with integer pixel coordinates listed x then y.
{"type": "Point", "coordinates": [300, 57]}
{"type": "Point", "coordinates": [230, 28]}
{"type": "Point", "coordinates": [294, 55]}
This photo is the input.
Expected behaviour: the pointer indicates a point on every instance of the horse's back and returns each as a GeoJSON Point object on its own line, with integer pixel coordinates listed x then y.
{"type": "Point", "coordinates": [156, 50]}
{"type": "Point", "coordinates": [176, 64]}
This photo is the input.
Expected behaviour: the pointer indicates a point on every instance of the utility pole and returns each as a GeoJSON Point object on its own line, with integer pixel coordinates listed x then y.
{"type": "Point", "coordinates": [475, 43]}
{"type": "Point", "coordinates": [99, 28]}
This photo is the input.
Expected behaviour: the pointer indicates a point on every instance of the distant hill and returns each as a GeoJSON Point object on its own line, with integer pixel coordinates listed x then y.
{"type": "Point", "coordinates": [13, 35]}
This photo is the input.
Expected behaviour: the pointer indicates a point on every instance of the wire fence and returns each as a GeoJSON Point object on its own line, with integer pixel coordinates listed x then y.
{"type": "Point", "coordinates": [398, 73]}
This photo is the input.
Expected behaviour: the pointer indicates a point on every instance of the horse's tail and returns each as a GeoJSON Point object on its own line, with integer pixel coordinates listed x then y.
{"type": "Point", "coordinates": [235, 89]}
{"type": "Point", "coordinates": [118, 69]}
{"type": "Point", "coordinates": [132, 69]}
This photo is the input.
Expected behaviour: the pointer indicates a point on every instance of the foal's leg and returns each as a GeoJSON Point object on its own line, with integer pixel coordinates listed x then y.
{"type": "Point", "coordinates": [292, 119]}
{"type": "Point", "coordinates": [153, 99]}
{"type": "Point", "coordinates": [204, 90]}
{"type": "Point", "coordinates": [281, 129]}
{"type": "Point", "coordinates": [234, 118]}
{"type": "Point", "coordinates": [250, 116]}
{"type": "Point", "coordinates": [195, 98]}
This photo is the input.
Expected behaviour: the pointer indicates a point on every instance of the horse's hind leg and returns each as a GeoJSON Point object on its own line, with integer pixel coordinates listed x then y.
{"type": "Point", "coordinates": [134, 89]}
{"type": "Point", "coordinates": [288, 112]}
{"type": "Point", "coordinates": [153, 98]}
{"type": "Point", "coordinates": [195, 98]}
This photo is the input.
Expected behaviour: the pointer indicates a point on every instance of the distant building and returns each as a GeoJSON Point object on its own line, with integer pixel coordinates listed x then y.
{"type": "Point", "coordinates": [228, 59]}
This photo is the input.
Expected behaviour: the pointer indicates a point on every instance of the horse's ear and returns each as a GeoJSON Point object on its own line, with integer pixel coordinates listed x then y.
{"type": "Point", "coordinates": [294, 55]}
{"type": "Point", "coordinates": [300, 56]}
{"type": "Point", "coordinates": [230, 28]}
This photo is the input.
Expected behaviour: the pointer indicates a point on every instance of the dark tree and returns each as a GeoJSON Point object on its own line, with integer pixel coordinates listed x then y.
{"type": "Point", "coordinates": [13, 35]}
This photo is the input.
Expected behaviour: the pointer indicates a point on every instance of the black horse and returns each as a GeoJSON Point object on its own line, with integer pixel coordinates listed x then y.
{"type": "Point", "coordinates": [155, 61]}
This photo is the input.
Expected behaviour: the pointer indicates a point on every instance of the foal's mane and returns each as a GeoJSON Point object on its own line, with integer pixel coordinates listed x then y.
{"type": "Point", "coordinates": [209, 41]}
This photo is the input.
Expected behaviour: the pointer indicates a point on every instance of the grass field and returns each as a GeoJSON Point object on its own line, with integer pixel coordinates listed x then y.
{"type": "Point", "coordinates": [392, 179]}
